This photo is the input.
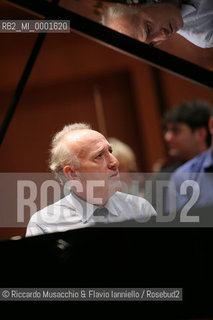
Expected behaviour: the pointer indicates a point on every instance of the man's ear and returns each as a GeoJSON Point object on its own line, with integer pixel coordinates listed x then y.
{"type": "Point", "coordinates": [69, 172]}
{"type": "Point", "coordinates": [202, 133]}
{"type": "Point", "coordinates": [211, 125]}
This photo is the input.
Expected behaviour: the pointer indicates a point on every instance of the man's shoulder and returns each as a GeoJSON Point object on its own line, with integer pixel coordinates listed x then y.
{"type": "Point", "coordinates": [127, 196]}
{"type": "Point", "coordinates": [131, 201]}
{"type": "Point", "coordinates": [194, 164]}
{"type": "Point", "coordinates": [186, 167]}
{"type": "Point", "coordinates": [137, 205]}
{"type": "Point", "coordinates": [56, 207]}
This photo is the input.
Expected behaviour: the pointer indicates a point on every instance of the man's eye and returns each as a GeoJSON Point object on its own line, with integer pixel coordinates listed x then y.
{"type": "Point", "coordinates": [148, 28]}
{"type": "Point", "coordinates": [99, 156]}
{"type": "Point", "coordinates": [175, 131]}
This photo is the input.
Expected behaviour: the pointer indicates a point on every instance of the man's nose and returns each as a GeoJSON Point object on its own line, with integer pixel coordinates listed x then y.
{"type": "Point", "coordinates": [161, 35]}
{"type": "Point", "coordinates": [113, 162]}
{"type": "Point", "coordinates": [168, 136]}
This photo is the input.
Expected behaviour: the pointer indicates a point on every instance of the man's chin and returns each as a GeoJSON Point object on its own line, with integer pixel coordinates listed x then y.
{"type": "Point", "coordinates": [173, 153]}
{"type": "Point", "coordinates": [99, 196]}
{"type": "Point", "coordinates": [115, 185]}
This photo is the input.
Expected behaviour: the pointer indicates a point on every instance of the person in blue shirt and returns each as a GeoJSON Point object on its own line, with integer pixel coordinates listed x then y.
{"type": "Point", "coordinates": [191, 185]}
{"type": "Point", "coordinates": [153, 21]}
{"type": "Point", "coordinates": [186, 132]}
{"type": "Point", "coordinates": [186, 135]}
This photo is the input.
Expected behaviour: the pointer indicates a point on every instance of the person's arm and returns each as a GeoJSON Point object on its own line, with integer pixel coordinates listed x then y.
{"type": "Point", "coordinates": [34, 229]}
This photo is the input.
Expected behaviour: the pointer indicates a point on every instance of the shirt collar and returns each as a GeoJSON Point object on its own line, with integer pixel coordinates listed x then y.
{"type": "Point", "coordinates": [201, 162]}
{"type": "Point", "coordinates": [85, 209]}
{"type": "Point", "coordinates": [208, 161]}
{"type": "Point", "coordinates": [187, 9]}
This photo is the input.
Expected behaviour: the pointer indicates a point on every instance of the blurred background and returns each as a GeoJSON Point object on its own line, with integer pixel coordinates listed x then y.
{"type": "Point", "coordinates": [76, 79]}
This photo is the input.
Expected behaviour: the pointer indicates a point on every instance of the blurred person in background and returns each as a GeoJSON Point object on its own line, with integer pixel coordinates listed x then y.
{"type": "Point", "coordinates": [191, 185]}
{"type": "Point", "coordinates": [131, 179]}
{"type": "Point", "coordinates": [124, 154]}
{"type": "Point", "coordinates": [186, 135]}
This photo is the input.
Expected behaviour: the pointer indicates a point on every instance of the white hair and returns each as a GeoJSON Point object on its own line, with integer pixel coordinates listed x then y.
{"type": "Point", "coordinates": [115, 11]}
{"type": "Point", "coordinates": [60, 154]}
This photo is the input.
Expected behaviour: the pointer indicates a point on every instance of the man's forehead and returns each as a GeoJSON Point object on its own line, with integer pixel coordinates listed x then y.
{"type": "Point", "coordinates": [82, 134]}
{"type": "Point", "coordinates": [80, 139]}
{"type": "Point", "coordinates": [173, 124]}
{"type": "Point", "coordinates": [129, 25]}
{"type": "Point", "coordinates": [180, 127]}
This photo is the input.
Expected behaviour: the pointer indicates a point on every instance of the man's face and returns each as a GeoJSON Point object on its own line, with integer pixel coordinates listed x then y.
{"type": "Point", "coordinates": [97, 165]}
{"type": "Point", "coordinates": [151, 23]}
{"type": "Point", "coordinates": [95, 155]}
{"type": "Point", "coordinates": [181, 141]}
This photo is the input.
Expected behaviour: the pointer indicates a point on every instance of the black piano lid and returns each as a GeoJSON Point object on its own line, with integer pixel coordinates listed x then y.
{"type": "Point", "coordinates": [139, 50]}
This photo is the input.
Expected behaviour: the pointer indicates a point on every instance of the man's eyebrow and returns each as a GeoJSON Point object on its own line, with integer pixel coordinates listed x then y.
{"type": "Point", "coordinates": [101, 149]}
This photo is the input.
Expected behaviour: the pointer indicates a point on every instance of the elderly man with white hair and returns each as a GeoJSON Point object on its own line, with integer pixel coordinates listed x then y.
{"type": "Point", "coordinates": [83, 159]}
{"type": "Point", "coordinates": [153, 21]}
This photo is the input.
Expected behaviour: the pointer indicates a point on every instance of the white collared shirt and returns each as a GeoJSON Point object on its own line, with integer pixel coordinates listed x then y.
{"type": "Point", "coordinates": [71, 212]}
{"type": "Point", "coordinates": [198, 22]}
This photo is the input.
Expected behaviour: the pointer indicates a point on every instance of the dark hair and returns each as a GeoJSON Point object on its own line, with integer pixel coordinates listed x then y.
{"type": "Point", "coordinates": [195, 114]}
